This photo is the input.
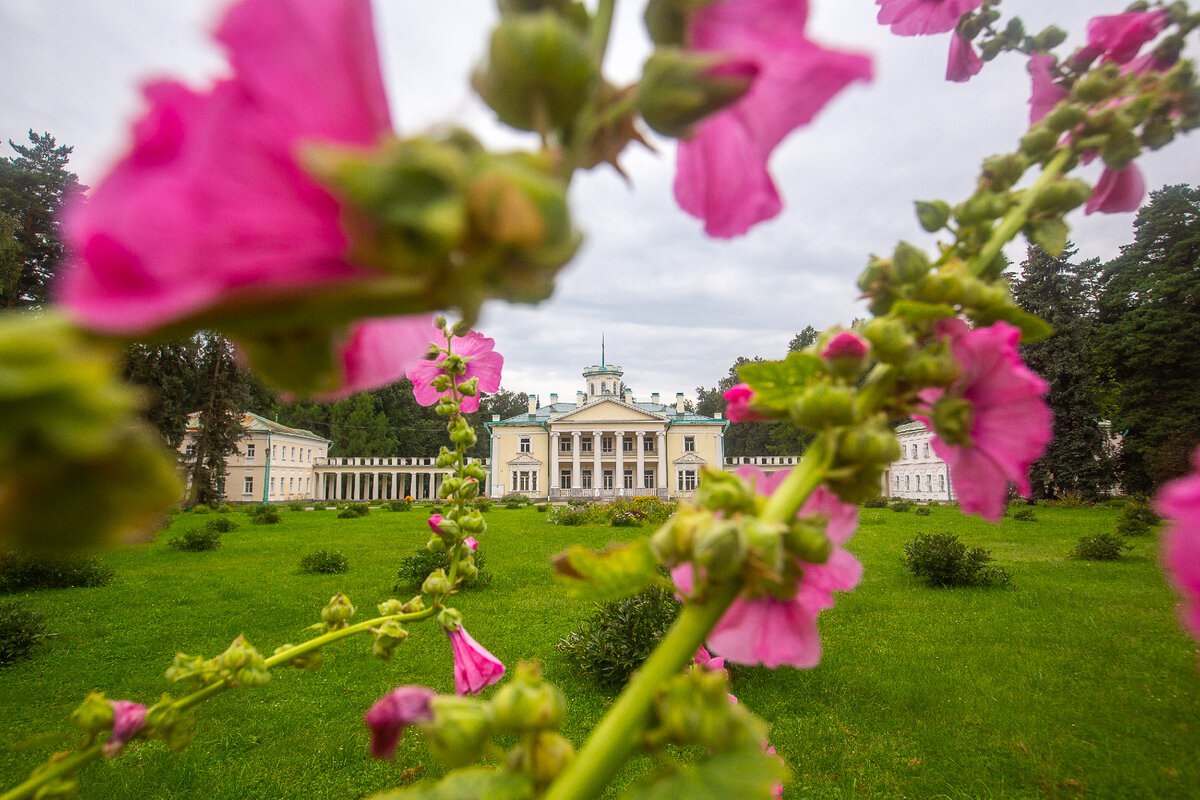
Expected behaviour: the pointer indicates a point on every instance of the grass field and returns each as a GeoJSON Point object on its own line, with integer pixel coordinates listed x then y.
{"type": "Point", "coordinates": [1077, 682]}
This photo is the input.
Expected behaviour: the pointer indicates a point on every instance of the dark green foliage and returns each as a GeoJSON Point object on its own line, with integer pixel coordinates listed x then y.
{"type": "Point", "coordinates": [20, 571]}
{"type": "Point", "coordinates": [20, 631]}
{"type": "Point", "coordinates": [297, 505]}
{"type": "Point", "coordinates": [222, 525]}
{"type": "Point", "coordinates": [416, 568]}
{"type": "Point", "coordinates": [1024, 515]}
{"type": "Point", "coordinates": [875, 502]}
{"type": "Point", "coordinates": [902, 506]}
{"type": "Point", "coordinates": [197, 540]}
{"type": "Point", "coordinates": [34, 185]}
{"type": "Point", "coordinates": [167, 374]}
{"type": "Point", "coordinates": [1149, 339]}
{"type": "Point", "coordinates": [922, 511]}
{"type": "Point", "coordinates": [325, 562]}
{"type": "Point", "coordinates": [1141, 511]}
{"type": "Point", "coordinates": [221, 404]}
{"type": "Point", "coordinates": [482, 503]}
{"type": "Point", "coordinates": [1132, 526]}
{"type": "Point", "coordinates": [569, 515]}
{"type": "Point", "coordinates": [264, 515]}
{"type": "Point", "coordinates": [614, 641]}
{"type": "Point", "coordinates": [397, 505]}
{"type": "Point", "coordinates": [1101, 547]}
{"type": "Point", "coordinates": [542, 508]}
{"type": "Point", "coordinates": [1063, 294]}
{"type": "Point", "coordinates": [354, 511]}
{"type": "Point", "coordinates": [940, 559]}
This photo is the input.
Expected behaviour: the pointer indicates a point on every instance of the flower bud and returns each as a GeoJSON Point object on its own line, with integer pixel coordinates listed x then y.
{"type": "Point", "coordinates": [1064, 117]}
{"type": "Point", "coordinates": [824, 406]}
{"type": "Point", "coordinates": [720, 548]}
{"type": "Point", "coordinates": [387, 637]}
{"type": "Point", "coordinates": [449, 487]}
{"type": "Point", "coordinates": [723, 491]}
{"type": "Point", "coordinates": [446, 458]}
{"type": "Point", "coordinates": [528, 703]}
{"type": "Point", "coordinates": [459, 730]}
{"type": "Point", "coordinates": [892, 342]}
{"type": "Point", "coordinates": [467, 570]}
{"type": "Point", "coordinates": [165, 721]}
{"type": "Point", "coordinates": [981, 207]}
{"type": "Point", "coordinates": [1003, 171]}
{"type": "Point", "coordinates": [806, 540]}
{"type": "Point", "coordinates": [473, 522]}
{"type": "Point", "coordinates": [437, 583]}
{"type": "Point", "coordinates": [932, 368]}
{"type": "Point", "coordinates": [337, 612]}
{"type": "Point", "coordinates": [548, 756]}
{"type": "Point", "coordinates": [309, 662]}
{"type": "Point", "coordinates": [679, 88]}
{"type": "Point", "coordinates": [877, 275]}
{"type": "Point", "coordinates": [1039, 142]}
{"type": "Point", "coordinates": [94, 715]}
{"type": "Point", "coordinates": [463, 435]}
{"type": "Point", "coordinates": [941, 287]}
{"type": "Point", "coordinates": [845, 354]}
{"type": "Point", "coordinates": [933, 215]}
{"type": "Point", "coordinates": [469, 388]}
{"type": "Point", "coordinates": [475, 470]}
{"type": "Point", "coordinates": [538, 73]}
{"type": "Point", "coordinates": [953, 418]}
{"type": "Point", "coordinates": [441, 383]}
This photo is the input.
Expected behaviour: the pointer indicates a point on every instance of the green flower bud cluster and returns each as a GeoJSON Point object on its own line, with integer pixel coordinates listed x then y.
{"type": "Point", "coordinates": [165, 721]}
{"type": "Point", "coordinates": [310, 661]}
{"type": "Point", "coordinates": [93, 716]}
{"type": "Point", "coordinates": [392, 607]}
{"type": "Point", "coordinates": [694, 708]}
{"type": "Point", "coordinates": [66, 420]}
{"type": "Point", "coordinates": [239, 665]}
{"type": "Point", "coordinates": [679, 88]}
{"type": "Point", "coordinates": [861, 454]}
{"type": "Point", "coordinates": [335, 614]}
{"type": "Point", "coordinates": [387, 637]}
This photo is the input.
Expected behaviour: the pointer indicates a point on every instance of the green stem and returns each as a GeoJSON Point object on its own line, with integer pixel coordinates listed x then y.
{"type": "Point", "coordinates": [619, 733]}
{"type": "Point", "coordinates": [1018, 215]}
{"type": "Point", "coordinates": [801, 482]}
{"type": "Point", "coordinates": [601, 26]}
{"type": "Point", "coordinates": [53, 771]}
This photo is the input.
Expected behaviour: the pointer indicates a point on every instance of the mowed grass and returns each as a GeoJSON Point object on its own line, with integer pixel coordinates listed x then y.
{"type": "Point", "coordinates": [1075, 683]}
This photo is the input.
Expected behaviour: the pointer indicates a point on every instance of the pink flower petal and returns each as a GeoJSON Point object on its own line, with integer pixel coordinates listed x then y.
{"type": "Point", "coordinates": [399, 708]}
{"type": "Point", "coordinates": [1121, 36]}
{"type": "Point", "coordinates": [922, 17]}
{"type": "Point", "coordinates": [1046, 94]}
{"type": "Point", "coordinates": [963, 62]}
{"type": "Point", "coordinates": [1117, 191]}
{"type": "Point", "coordinates": [482, 363]}
{"type": "Point", "coordinates": [1179, 503]}
{"type": "Point", "coordinates": [474, 666]}
{"type": "Point", "coordinates": [128, 719]}
{"type": "Point", "coordinates": [737, 404]}
{"type": "Point", "coordinates": [380, 351]}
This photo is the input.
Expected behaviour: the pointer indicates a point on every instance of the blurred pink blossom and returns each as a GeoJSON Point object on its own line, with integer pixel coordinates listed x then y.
{"type": "Point", "coordinates": [769, 631]}
{"type": "Point", "coordinates": [721, 172]}
{"type": "Point", "coordinates": [1046, 94]}
{"type": "Point", "coordinates": [474, 666]}
{"type": "Point", "coordinates": [128, 719]}
{"type": "Point", "coordinates": [1117, 190]}
{"type": "Point", "coordinates": [1119, 37]}
{"type": "Point", "coordinates": [737, 404]}
{"type": "Point", "coordinates": [399, 708]}
{"type": "Point", "coordinates": [1179, 503]}
{"type": "Point", "coordinates": [482, 361]}
{"type": "Point", "coordinates": [1010, 423]}
{"type": "Point", "coordinates": [378, 351]}
{"type": "Point", "coordinates": [921, 17]}
{"type": "Point", "coordinates": [963, 62]}
{"type": "Point", "coordinates": [472, 543]}
{"type": "Point", "coordinates": [845, 345]}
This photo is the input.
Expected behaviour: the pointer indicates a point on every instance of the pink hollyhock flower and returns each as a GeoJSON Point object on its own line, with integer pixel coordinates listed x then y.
{"type": "Point", "coordinates": [721, 171]}
{"type": "Point", "coordinates": [392, 713]}
{"type": "Point", "coordinates": [1117, 190]}
{"type": "Point", "coordinates": [472, 543]}
{"type": "Point", "coordinates": [963, 61]}
{"type": "Point", "coordinates": [707, 661]}
{"type": "Point", "coordinates": [737, 408]}
{"type": "Point", "coordinates": [1010, 423]}
{"type": "Point", "coordinates": [378, 352]}
{"type": "Point", "coordinates": [845, 345]}
{"type": "Point", "coordinates": [1179, 503]}
{"type": "Point", "coordinates": [1046, 93]}
{"type": "Point", "coordinates": [435, 523]}
{"type": "Point", "coordinates": [474, 666]}
{"type": "Point", "coordinates": [769, 631]}
{"type": "Point", "coordinates": [128, 719]}
{"type": "Point", "coordinates": [1121, 36]}
{"type": "Point", "coordinates": [483, 363]}
{"type": "Point", "coordinates": [921, 17]}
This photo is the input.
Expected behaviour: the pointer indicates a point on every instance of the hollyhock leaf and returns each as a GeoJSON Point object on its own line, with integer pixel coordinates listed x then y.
{"type": "Point", "coordinates": [1033, 328]}
{"type": "Point", "coordinates": [1050, 235]}
{"type": "Point", "coordinates": [468, 783]}
{"type": "Point", "coordinates": [916, 311]}
{"type": "Point", "coordinates": [775, 383]}
{"type": "Point", "coordinates": [618, 571]}
{"type": "Point", "coordinates": [747, 774]}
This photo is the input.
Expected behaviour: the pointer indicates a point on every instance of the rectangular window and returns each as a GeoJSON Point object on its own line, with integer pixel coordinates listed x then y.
{"type": "Point", "coordinates": [523, 481]}
{"type": "Point", "coordinates": [248, 485]}
{"type": "Point", "coordinates": [929, 483]}
{"type": "Point", "coordinates": [627, 444]}
{"type": "Point", "coordinates": [628, 479]}
{"type": "Point", "coordinates": [585, 479]}
{"type": "Point", "coordinates": [564, 479]}
{"type": "Point", "coordinates": [293, 454]}
{"type": "Point", "coordinates": [533, 481]}
{"type": "Point", "coordinates": [941, 482]}
{"type": "Point", "coordinates": [608, 479]}
{"type": "Point", "coordinates": [274, 452]}
{"type": "Point", "coordinates": [585, 445]}
{"type": "Point", "coordinates": [648, 478]}
{"type": "Point", "coordinates": [249, 452]}
{"type": "Point", "coordinates": [689, 444]}
{"type": "Point", "coordinates": [189, 451]}
{"type": "Point", "coordinates": [526, 445]}
{"type": "Point", "coordinates": [648, 444]}
{"type": "Point", "coordinates": [291, 485]}
{"type": "Point", "coordinates": [606, 444]}
{"type": "Point", "coordinates": [907, 482]}
{"type": "Point", "coordinates": [564, 444]}
{"type": "Point", "coordinates": [687, 480]}
{"type": "Point", "coordinates": [272, 487]}
{"type": "Point", "coordinates": [903, 451]}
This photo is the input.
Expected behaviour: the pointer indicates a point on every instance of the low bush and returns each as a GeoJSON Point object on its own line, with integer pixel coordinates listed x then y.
{"type": "Point", "coordinates": [940, 559]}
{"type": "Point", "coordinates": [197, 540]}
{"type": "Point", "coordinates": [1101, 547]}
{"type": "Point", "coordinates": [1140, 511]}
{"type": "Point", "coordinates": [200, 508]}
{"type": "Point", "coordinates": [483, 503]}
{"type": "Point", "coordinates": [614, 641]}
{"type": "Point", "coordinates": [354, 510]}
{"type": "Point", "coordinates": [297, 505]}
{"type": "Point", "coordinates": [922, 511]}
{"type": "Point", "coordinates": [1132, 526]}
{"type": "Point", "coordinates": [1024, 515]}
{"type": "Point", "coordinates": [568, 515]}
{"type": "Point", "coordinates": [875, 502]}
{"type": "Point", "coordinates": [625, 519]}
{"type": "Point", "coordinates": [324, 562]}
{"type": "Point", "coordinates": [319, 506]}
{"type": "Point", "coordinates": [224, 508]}
{"type": "Point", "coordinates": [1071, 499]}
{"type": "Point", "coordinates": [542, 508]}
{"type": "Point", "coordinates": [902, 506]}
{"type": "Point", "coordinates": [21, 571]}
{"type": "Point", "coordinates": [265, 515]}
{"type": "Point", "coordinates": [221, 525]}
{"type": "Point", "coordinates": [416, 568]}
{"type": "Point", "coordinates": [397, 505]}
{"type": "Point", "coordinates": [20, 631]}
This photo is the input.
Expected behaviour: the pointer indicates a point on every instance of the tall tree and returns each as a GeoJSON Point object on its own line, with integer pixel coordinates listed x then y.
{"type": "Point", "coordinates": [167, 374]}
{"type": "Point", "coordinates": [360, 428]}
{"type": "Point", "coordinates": [221, 403]}
{"type": "Point", "coordinates": [1149, 335]}
{"type": "Point", "coordinates": [34, 184]}
{"type": "Point", "coordinates": [1063, 294]}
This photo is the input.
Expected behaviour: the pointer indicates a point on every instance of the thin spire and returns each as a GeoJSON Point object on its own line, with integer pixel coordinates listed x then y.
{"type": "Point", "coordinates": [602, 351]}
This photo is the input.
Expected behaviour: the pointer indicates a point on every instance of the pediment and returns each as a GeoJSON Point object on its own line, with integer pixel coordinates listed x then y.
{"type": "Point", "coordinates": [608, 410]}
{"type": "Point", "coordinates": [524, 460]}
{"type": "Point", "coordinates": [689, 459]}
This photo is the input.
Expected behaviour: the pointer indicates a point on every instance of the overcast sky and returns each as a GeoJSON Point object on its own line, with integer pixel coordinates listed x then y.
{"type": "Point", "coordinates": [676, 308]}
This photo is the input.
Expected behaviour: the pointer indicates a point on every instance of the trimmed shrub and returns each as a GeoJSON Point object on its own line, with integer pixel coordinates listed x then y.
{"type": "Point", "coordinates": [482, 503]}
{"type": "Point", "coordinates": [196, 540]}
{"type": "Point", "coordinates": [354, 510]}
{"type": "Point", "coordinates": [1139, 511]}
{"type": "Point", "coordinates": [319, 506]}
{"type": "Point", "coordinates": [614, 641]}
{"type": "Point", "coordinates": [264, 515]}
{"type": "Point", "coordinates": [200, 508]}
{"type": "Point", "coordinates": [20, 631]}
{"type": "Point", "coordinates": [1132, 526]}
{"type": "Point", "coordinates": [875, 502]}
{"type": "Point", "coordinates": [1024, 515]}
{"type": "Point", "coordinates": [416, 568]}
{"type": "Point", "coordinates": [224, 508]}
{"type": "Point", "coordinates": [1101, 547]}
{"type": "Point", "coordinates": [940, 559]}
{"type": "Point", "coordinates": [922, 511]}
{"type": "Point", "coordinates": [901, 506]}
{"type": "Point", "coordinates": [542, 508]}
{"type": "Point", "coordinates": [221, 525]}
{"type": "Point", "coordinates": [324, 562]}
{"type": "Point", "coordinates": [21, 571]}
{"type": "Point", "coordinates": [397, 505]}
{"type": "Point", "coordinates": [297, 505]}
{"type": "Point", "coordinates": [515, 500]}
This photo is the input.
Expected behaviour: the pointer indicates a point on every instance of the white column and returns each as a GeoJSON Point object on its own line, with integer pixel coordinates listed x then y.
{"type": "Point", "coordinates": [554, 438]}
{"type": "Point", "coordinates": [619, 455]}
{"type": "Point", "coordinates": [597, 478]}
{"type": "Point", "coordinates": [575, 437]}
{"type": "Point", "coordinates": [639, 443]}
{"type": "Point", "coordinates": [494, 472]}
{"type": "Point", "coordinates": [660, 441]}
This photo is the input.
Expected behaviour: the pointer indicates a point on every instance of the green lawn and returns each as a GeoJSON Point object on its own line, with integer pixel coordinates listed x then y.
{"type": "Point", "coordinates": [1075, 683]}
